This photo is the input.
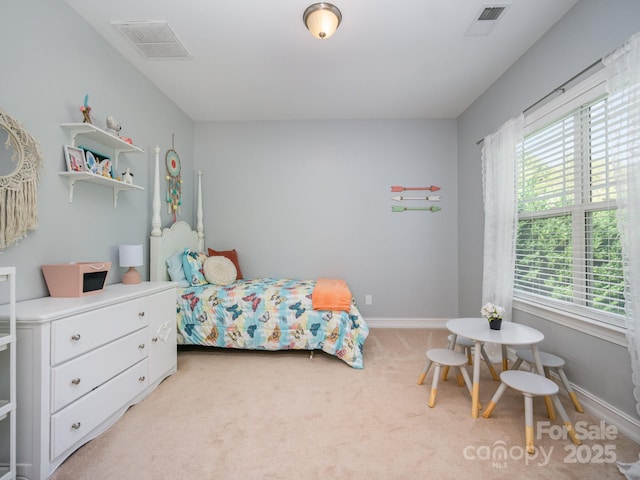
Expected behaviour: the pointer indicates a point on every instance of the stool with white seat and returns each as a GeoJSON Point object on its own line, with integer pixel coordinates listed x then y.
{"type": "Point", "coordinates": [445, 357]}
{"type": "Point", "coordinates": [531, 385]}
{"type": "Point", "coordinates": [467, 344]}
{"type": "Point", "coordinates": [549, 362]}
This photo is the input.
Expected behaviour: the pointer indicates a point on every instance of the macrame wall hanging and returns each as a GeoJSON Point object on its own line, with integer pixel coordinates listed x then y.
{"type": "Point", "coordinates": [20, 161]}
{"type": "Point", "coordinates": [174, 182]}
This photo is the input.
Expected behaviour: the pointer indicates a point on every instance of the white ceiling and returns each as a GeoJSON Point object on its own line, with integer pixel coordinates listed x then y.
{"type": "Point", "coordinates": [255, 59]}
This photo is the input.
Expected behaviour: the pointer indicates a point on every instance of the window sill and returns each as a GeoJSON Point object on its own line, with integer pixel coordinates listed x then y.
{"type": "Point", "coordinates": [586, 325]}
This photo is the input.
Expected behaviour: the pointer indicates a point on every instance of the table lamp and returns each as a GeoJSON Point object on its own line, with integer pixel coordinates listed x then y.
{"type": "Point", "coordinates": [131, 256]}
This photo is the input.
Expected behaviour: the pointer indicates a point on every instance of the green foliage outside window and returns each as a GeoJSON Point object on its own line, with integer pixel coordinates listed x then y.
{"type": "Point", "coordinates": [568, 246]}
{"type": "Point", "coordinates": [544, 253]}
{"type": "Point", "coordinates": [606, 290]}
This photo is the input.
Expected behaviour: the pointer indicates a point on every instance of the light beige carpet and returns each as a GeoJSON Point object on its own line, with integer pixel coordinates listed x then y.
{"type": "Point", "coordinates": [279, 415]}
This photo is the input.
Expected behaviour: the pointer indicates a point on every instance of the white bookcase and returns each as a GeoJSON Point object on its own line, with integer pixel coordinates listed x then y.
{"type": "Point", "coordinates": [8, 379]}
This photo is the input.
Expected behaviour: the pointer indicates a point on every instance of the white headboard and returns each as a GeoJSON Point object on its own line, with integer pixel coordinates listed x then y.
{"type": "Point", "coordinates": [167, 242]}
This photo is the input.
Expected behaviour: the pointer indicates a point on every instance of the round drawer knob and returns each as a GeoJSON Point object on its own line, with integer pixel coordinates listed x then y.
{"type": "Point", "coordinates": [76, 381]}
{"type": "Point", "coordinates": [75, 336]}
{"type": "Point", "coordinates": [141, 314]}
{"type": "Point", "coordinates": [142, 379]}
{"type": "Point", "coordinates": [154, 339]}
{"type": "Point", "coordinates": [141, 346]}
{"type": "Point", "coordinates": [76, 426]}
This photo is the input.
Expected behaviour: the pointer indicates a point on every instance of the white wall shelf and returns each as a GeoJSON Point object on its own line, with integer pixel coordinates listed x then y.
{"type": "Point", "coordinates": [116, 185]}
{"type": "Point", "coordinates": [100, 136]}
{"type": "Point", "coordinates": [107, 140]}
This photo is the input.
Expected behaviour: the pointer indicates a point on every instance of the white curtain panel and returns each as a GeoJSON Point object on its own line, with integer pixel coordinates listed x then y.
{"type": "Point", "coordinates": [501, 152]}
{"type": "Point", "coordinates": [623, 81]}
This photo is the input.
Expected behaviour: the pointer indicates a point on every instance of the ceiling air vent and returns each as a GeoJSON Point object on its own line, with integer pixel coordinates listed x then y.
{"type": "Point", "coordinates": [153, 39]}
{"type": "Point", "coordinates": [485, 20]}
{"type": "Point", "coordinates": [491, 13]}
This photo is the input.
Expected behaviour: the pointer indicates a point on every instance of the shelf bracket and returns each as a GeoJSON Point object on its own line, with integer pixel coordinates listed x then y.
{"type": "Point", "coordinates": [116, 154]}
{"type": "Point", "coordinates": [71, 182]}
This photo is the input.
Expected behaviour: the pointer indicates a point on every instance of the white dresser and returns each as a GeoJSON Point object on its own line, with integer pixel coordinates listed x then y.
{"type": "Point", "coordinates": [82, 362]}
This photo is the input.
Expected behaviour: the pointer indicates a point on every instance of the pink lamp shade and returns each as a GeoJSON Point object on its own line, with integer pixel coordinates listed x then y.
{"type": "Point", "coordinates": [131, 256]}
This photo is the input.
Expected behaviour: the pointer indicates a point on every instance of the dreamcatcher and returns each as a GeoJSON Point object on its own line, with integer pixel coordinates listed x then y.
{"type": "Point", "coordinates": [20, 162]}
{"type": "Point", "coordinates": [174, 182]}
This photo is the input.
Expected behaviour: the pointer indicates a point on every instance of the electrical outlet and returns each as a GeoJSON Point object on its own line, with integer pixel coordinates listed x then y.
{"type": "Point", "coordinates": [368, 300]}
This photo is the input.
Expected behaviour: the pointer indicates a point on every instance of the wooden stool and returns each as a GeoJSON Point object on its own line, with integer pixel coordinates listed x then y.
{"type": "Point", "coordinates": [531, 385]}
{"type": "Point", "coordinates": [549, 362]}
{"type": "Point", "coordinates": [450, 358]}
{"type": "Point", "coordinates": [467, 344]}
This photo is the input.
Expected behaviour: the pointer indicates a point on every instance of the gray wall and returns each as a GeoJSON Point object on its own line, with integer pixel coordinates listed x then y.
{"type": "Point", "coordinates": [50, 60]}
{"type": "Point", "coordinates": [312, 198]}
{"type": "Point", "coordinates": [590, 30]}
{"type": "Point", "coordinates": [301, 199]}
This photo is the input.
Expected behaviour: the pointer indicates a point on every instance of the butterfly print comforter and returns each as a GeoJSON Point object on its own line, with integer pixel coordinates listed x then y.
{"type": "Point", "coordinates": [268, 314]}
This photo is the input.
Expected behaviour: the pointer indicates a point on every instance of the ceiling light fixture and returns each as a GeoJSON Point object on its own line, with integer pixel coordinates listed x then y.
{"type": "Point", "coordinates": [322, 19]}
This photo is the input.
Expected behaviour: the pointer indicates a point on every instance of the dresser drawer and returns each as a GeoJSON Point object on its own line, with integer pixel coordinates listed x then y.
{"type": "Point", "coordinates": [73, 379]}
{"type": "Point", "coordinates": [78, 334]}
{"type": "Point", "coordinates": [71, 424]}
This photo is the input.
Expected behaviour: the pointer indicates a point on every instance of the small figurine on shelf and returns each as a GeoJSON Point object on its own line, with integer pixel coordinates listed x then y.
{"type": "Point", "coordinates": [127, 177]}
{"type": "Point", "coordinates": [86, 110]}
{"type": "Point", "coordinates": [106, 168]}
{"type": "Point", "coordinates": [113, 126]}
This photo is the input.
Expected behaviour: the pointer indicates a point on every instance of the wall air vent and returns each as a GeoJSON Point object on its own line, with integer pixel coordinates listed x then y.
{"type": "Point", "coordinates": [485, 20]}
{"type": "Point", "coordinates": [153, 39]}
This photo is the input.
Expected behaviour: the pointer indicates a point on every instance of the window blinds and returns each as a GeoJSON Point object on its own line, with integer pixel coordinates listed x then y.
{"type": "Point", "coordinates": [568, 247]}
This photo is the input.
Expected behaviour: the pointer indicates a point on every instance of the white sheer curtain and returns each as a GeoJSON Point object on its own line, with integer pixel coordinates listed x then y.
{"type": "Point", "coordinates": [501, 153]}
{"type": "Point", "coordinates": [623, 82]}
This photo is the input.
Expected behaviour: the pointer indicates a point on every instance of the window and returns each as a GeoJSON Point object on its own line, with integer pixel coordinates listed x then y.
{"type": "Point", "coordinates": [568, 252]}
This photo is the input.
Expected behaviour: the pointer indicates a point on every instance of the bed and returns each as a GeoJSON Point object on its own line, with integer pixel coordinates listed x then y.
{"type": "Point", "coordinates": [254, 313]}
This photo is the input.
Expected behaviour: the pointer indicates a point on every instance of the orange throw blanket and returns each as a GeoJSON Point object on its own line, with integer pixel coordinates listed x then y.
{"type": "Point", "coordinates": [331, 294]}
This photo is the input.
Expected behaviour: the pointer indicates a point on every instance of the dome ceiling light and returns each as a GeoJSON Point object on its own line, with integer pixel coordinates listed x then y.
{"type": "Point", "coordinates": [322, 19]}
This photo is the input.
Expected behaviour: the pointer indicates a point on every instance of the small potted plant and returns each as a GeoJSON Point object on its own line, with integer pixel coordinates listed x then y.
{"type": "Point", "coordinates": [493, 313]}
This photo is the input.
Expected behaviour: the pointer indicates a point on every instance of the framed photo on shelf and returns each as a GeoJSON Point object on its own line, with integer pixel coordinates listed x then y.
{"type": "Point", "coordinates": [75, 159]}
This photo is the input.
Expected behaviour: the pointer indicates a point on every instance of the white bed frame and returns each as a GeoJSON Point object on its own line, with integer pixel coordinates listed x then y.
{"type": "Point", "coordinates": [167, 242]}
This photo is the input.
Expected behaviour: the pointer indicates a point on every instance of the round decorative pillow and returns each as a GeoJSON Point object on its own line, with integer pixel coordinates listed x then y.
{"type": "Point", "coordinates": [219, 270]}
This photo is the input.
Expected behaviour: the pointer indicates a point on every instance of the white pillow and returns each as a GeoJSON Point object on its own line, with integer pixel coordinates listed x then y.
{"type": "Point", "coordinates": [219, 270]}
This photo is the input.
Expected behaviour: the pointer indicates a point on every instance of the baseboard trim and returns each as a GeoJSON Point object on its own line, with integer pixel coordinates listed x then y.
{"type": "Point", "coordinates": [627, 425]}
{"type": "Point", "coordinates": [407, 322]}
